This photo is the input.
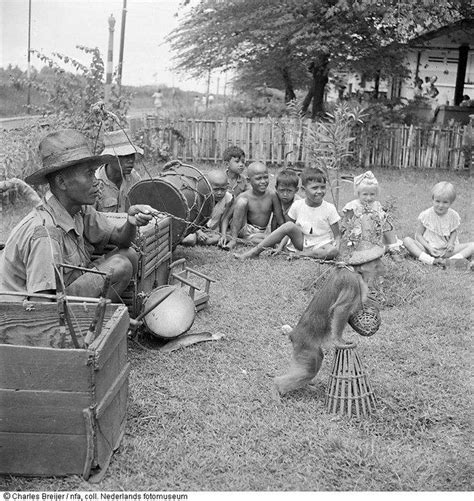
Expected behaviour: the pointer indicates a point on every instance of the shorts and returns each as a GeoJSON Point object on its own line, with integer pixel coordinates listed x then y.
{"type": "Point", "coordinates": [250, 231]}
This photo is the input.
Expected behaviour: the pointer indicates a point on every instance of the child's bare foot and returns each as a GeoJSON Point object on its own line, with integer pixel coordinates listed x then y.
{"type": "Point", "coordinates": [458, 263]}
{"type": "Point", "coordinates": [251, 254]}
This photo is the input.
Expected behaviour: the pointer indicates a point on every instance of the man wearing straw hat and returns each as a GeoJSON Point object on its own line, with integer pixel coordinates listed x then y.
{"type": "Point", "coordinates": [65, 229]}
{"type": "Point", "coordinates": [118, 175]}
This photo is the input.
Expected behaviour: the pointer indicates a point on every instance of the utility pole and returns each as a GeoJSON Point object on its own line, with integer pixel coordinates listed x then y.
{"type": "Point", "coordinates": [28, 72]}
{"type": "Point", "coordinates": [122, 42]}
{"type": "Point", "coordinates": [110, 58]}
{"type": "Point", "coordinates": [208, 87]}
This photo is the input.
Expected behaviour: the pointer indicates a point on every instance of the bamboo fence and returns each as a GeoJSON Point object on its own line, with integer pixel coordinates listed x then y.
{"type": "Point", "coordinates": [282, 142]}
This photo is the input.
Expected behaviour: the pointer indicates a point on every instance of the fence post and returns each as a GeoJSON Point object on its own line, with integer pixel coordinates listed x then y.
{"type": "Point", "coordinates": [468, 144]}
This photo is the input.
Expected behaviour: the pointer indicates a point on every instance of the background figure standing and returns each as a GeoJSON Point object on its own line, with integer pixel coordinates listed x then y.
{"type": "Point", "coordinates": [417, 88]}
{"type": "Point", "coordinates": [158, 102]}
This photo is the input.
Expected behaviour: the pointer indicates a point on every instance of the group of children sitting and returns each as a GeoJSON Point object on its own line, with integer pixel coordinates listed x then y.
{"type": "Point", "coordinates": [247, 210]}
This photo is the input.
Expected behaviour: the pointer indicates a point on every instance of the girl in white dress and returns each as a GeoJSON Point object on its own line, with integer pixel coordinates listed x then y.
{"type": "Point", "coordinates": [366, 209]}
{"type": "Point", "coordinates": [436, 236]}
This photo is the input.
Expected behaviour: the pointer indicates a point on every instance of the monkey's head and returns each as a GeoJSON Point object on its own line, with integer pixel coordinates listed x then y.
{"type": "Point", "coordinates": [370, 270]}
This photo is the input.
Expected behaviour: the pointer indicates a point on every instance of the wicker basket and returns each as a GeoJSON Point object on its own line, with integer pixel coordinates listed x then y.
{"type": "Point", "coordinates": [348, 391]}
{"type": "Point", "coordinates": [367, 320]}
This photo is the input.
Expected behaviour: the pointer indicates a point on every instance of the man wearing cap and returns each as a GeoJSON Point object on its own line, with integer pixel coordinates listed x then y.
{"type": "Point", "coordinates": [65, 229]}
{"type": "Point", "coordinates": [118, 175]}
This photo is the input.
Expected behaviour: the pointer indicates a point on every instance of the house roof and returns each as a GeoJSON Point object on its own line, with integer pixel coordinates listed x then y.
{"type": "Point", "coordinates": [458, 33]}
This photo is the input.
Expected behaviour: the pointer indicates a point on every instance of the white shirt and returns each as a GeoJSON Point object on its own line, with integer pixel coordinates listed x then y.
{"type": "Point", "coordinates": [315, 222]}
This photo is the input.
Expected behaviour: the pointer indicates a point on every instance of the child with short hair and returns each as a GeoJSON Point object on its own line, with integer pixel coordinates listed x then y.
{"type": "Point", "coordinates": [286, 187]}
{"type": "Point", "coordinates": [214, 232]}
{"type": "Point", "coordinates": [254, 207]}
{"type": "Point", "coordinates": [436, 239]}
{"type": "Point", "coordinates": [313, 227]}
{"type": "Point", "coordinates": [366, 188]}
{"type": "Point", "coordinates": [234, 161]}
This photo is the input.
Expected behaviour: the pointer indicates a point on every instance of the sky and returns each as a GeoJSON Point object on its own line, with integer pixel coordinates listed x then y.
{"type": "Point", "coordinates": [60, 25]}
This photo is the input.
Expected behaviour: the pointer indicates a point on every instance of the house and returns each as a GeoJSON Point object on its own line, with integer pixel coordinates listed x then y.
{"type": "Point", "coordinates": [445, 56]}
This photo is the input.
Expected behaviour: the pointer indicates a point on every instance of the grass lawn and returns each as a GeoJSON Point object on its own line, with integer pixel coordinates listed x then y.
{"type": "Point", "coordinates": [203, 418]}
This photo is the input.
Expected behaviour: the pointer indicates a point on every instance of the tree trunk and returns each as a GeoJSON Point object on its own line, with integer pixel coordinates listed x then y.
{"type": "Point", "coordinates": [320, 71]}
{"type": "Point", "coordinates": [376, 85]}
{"type": "Point", "coordinates": [307, 101]}
{"type": "Point", "coordinates": [289, 91]}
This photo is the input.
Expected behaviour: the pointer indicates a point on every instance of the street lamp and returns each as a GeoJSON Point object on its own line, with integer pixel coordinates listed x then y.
{"type": "Point", "coordinates": [122, 42]}
{"type": "Point", "coordinates": [28, 71]}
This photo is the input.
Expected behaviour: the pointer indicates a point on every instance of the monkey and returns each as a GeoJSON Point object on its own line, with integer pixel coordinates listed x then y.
{"type": "Point", "coordinates": [325, 318]}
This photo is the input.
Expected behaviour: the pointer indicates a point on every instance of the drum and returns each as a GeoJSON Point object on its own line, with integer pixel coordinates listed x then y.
{"type": "Point", "coordinates": [180, 190]}
{"type": "Point", "coordinates": [173, 316]}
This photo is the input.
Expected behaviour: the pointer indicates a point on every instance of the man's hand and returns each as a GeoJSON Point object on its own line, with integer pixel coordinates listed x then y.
{"type": "Point", "coordinates": [140, 215]}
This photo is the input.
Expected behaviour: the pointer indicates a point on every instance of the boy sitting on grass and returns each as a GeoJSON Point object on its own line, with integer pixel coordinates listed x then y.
{"type": "Point", "coordinates": [313, 229]}
{"type": "Point", "coordinates": [214, 233]}
{"type": "Point", "coordinates": [254, 207]}
{"type": "Point", "coordinates": [234, 162]}
{"type": "Point", "coordinates": [286, 187]}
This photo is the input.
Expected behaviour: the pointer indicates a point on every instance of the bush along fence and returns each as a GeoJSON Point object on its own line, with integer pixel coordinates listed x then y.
{"type": "Point", "coordinates": [283, 142]}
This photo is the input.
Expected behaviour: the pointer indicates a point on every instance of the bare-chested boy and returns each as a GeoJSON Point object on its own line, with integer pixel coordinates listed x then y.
{"type": "Point", "coordinates": [253, 208]}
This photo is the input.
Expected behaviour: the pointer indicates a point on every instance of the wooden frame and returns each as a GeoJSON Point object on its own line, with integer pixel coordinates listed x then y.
{"type": "Point", "coordinates": [181, 274]}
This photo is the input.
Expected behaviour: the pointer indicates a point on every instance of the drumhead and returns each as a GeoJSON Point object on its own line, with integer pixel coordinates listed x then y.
{"type": "Point", "coordinates": [173, 316]}
{"type": "Point", "coordinates": [164, 197]}
{"type": "Point", "coordinates": [196, 189]}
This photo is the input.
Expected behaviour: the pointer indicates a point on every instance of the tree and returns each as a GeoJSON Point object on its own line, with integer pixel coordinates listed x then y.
{"type": "Point", "coordinates": [352, 35]}
{"type": "Point", "coordinates": [289, 74]}
{"type": "Point", "coordinates": [78, 96]}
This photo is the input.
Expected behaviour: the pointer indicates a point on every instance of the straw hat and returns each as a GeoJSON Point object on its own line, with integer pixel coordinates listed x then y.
{"type": "Point", "coordinates": [62, 149]}
{"type": "Point", "coordinates": [118, 143]}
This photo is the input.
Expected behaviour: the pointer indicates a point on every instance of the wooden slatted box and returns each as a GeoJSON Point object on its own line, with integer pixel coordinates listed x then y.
{"type": "Point", "coordinates": [63, 411]}
{"type": "Point", "coordinates": [153, 244]}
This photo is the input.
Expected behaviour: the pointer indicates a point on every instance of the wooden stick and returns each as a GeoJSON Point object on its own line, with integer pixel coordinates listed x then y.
{"type": "Point", "coordinates": [26, 295]}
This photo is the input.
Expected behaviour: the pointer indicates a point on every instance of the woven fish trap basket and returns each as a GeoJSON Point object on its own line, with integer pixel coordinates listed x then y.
{"type": "Point", "coordinates": [367, 320]}
{"type": "Point", "coordinates": [348, 390]}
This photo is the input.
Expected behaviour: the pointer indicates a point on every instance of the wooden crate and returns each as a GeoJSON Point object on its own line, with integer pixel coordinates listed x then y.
{"type": "Point", "coordinates": [63, 410]}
